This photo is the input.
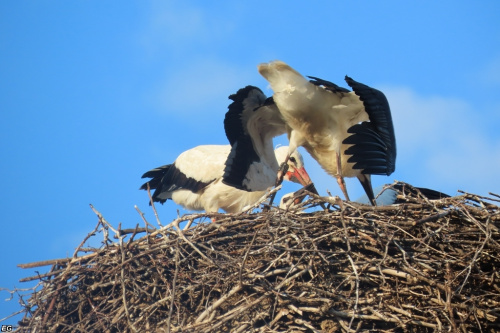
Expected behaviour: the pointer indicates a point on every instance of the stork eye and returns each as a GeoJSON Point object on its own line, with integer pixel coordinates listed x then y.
{"type": "Point", "coordinates": [293, 160]}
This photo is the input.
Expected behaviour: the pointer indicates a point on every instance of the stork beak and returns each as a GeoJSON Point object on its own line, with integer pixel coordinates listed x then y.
{"type": "Point", "coordinates": [302, 177]}
{"type": "Point", "coordinates": [299, 176]}
{"type": "Point", "coordinates": [297, 196]}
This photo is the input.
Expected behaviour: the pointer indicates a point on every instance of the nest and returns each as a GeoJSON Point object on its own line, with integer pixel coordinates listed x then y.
{"type": "Point", "coordinates": [419, 266]}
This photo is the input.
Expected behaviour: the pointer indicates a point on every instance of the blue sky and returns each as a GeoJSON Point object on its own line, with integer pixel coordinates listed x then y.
{"type": "Point", "coordinates": [94, 93]}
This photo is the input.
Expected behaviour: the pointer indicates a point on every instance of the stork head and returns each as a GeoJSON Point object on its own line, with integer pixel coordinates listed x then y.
{"type": "Point", "coordinates": [296, 171]}
{"type": "Point", "coordinates": [290, 200]}
{"type": "Point", "coordinates": [280, 75]}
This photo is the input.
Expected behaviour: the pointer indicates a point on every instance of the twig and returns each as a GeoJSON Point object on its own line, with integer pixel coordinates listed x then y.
{"type": "Point", "coordinates": [174, 285]}
{"type": "Point", "coordinates": [124, 295]}
{"type": "Point", "coordinates": [103, 221]}
{"type": "Point", "coordinates": [265, 197]}
{"type": "Point", "coordinates": [218, 303]}
{"type": "Point", "coordinates": [146, 223]}
{"type": "Point", "coordinates": [355, 271]}
{"type": "Point", "coordinates": [57, 261]}
{"type": "Point", "coordinates": [245, 257]}
{"type": "Point", "coordinates": [90, 234]}
{"type": "Point", "coordinates": [151, 201]}
{"type": "Point", "coordinates": [433, 218]}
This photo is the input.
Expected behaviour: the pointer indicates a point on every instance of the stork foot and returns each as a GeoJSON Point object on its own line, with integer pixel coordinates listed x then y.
{"type": "Point", "coordinates": [341, 182]}
{"type": "Point", "coordinates": [279, 178]}
{"type": "Point", "coordinates": [281, 173]}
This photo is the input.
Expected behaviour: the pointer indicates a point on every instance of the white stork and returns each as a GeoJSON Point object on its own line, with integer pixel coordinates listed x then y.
{"type": "Point", "coordinates": [194, 180]}
{"type": "Point", "coordinates": [233, 176]}
{"type": "Point", "coordinates": [350, 134]}
{"type": "Point", "coordinates": [391, 194]}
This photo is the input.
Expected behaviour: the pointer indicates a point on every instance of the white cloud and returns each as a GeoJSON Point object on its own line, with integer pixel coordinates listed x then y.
{"type": "Point", "coordinates": [182, 25]}
{"type": "Point", "coordinates": [472, 165]}
{"type": "Point", "coordinates": [204, 83]}
{"type": "Point", "coordinates": [419, 121]}
{"type": "Point", "coordinates": [197, 74]}
{"type": "Point", "coordinates": [444, 141]}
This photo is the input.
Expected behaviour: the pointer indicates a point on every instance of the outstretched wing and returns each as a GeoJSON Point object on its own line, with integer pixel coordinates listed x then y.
{"type": "Point", "coordinates": [243, 153]}
{"type": "Point", "coordinates": [330, 86]}
{"type": "Point", "coordinates": [373, 143]}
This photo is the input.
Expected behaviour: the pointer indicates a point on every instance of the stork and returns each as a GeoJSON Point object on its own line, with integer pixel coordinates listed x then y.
{"type": "Point", "coordinates": [233, 176]}
{"type": "Point", "coordinates": [194, 180]}
{"type": "Point", "coordinates": [389, 194]}
{"type": "Point", "coordinates": [350, 134]}
{"type": "Point", "coordinates": [251, 123]}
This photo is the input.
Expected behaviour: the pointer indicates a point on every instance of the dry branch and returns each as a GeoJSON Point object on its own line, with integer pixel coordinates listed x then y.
{"type": "Point", "coordinates": [421, 266]}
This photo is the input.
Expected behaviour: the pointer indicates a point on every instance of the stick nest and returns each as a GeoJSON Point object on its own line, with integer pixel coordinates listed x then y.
{"type": "Point", "coordinates": [419, 266]}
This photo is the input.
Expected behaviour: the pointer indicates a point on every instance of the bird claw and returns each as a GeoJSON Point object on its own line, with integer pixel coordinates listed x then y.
{"type": "Point", "coordinates": [279, 179]}
{"type": "Point", "coordinates": [281, 173]}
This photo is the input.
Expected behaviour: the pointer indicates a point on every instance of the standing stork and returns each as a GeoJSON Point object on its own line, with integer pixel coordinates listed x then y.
{"type": "Point", "coordinates": [350, 134]}
{"type": "Point", "coordinates": [231, 177]}
{"type": "Point", "coordinates": [251, 123]}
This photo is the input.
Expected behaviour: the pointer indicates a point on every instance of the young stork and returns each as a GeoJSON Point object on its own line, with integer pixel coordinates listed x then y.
{"type": "Point", "coordinates": [350, 134]}
{"type": "Point", "coordinates": [233, 176]}
{"type": "Point", "coordinates": [395, 193]}
{"type": "Point", "coordinates": [389, 194]}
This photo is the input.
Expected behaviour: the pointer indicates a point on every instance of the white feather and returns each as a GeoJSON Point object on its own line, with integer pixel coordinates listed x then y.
{"type": "Point", "coordinates": [206, 163]}
{"type": "Point", "coordinates": [318, 119]}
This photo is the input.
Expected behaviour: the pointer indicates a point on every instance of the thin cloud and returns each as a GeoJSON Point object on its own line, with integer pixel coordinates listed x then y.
{"type": "Point", "coordinates": [491, 71]}
{"type": "Point", "coordinates": [419, 121]}
{"type": "Point", "coordinates": [195, 79]}
{"type": "Point", "coordinates": [472, 166]}
{"type": "Point", "coordinates": [182, 25]}
{"type": "Point", "coordinates": [444, 141]}
{"type": "Point", "coordinates": [207, 82]}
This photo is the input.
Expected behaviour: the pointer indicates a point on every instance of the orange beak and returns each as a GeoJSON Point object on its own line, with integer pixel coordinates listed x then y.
{"type": "Point", "coordinates": [299, 176]}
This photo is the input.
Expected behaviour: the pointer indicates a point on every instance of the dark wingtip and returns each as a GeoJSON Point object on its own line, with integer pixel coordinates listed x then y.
{"type": "Point", "coordinates": [380, 128]}
{"type": "Point", "coordinates": [242, 93]}
{"type": "Point", "coordinates": [232, 119]}
{"type": "Point", "coordinates": [330, 86]}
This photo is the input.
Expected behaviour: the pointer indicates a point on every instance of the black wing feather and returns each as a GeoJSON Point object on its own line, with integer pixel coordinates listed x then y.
{"type": "Point", "coordinates": [233, 125]}
{"type": "Point", "coordinates": [242, 153]}
{"type": "Point", "coordinates": [328, 85]}
{"type": "Point", "coordinates": [374, 142]}
{"type": "Point", "coordinates": [426, 192]}
{"type": "Point", "coordinates": [169, 178]}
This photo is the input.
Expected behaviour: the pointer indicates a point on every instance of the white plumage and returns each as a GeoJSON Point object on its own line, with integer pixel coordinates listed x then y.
{"type": "Point", "coordinates": [233, 176]}
{"type": "Point", "coordinates": [350, 134]}
{"type": "Point", "coordinates": [194, 180]}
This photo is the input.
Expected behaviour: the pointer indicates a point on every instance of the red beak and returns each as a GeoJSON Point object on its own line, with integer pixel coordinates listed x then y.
{"type": "Point", "coordinates": [299, 176]}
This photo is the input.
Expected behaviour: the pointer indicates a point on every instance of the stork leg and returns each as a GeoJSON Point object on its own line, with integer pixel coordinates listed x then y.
{"type": "Point", "coordinates": [366, 182]}
{"type": "Point", "coordinates": [279, 178]}
{"type": "Point", "coordinates": [282, 172]}
{"type": "Point", "coordinates": [340, 178]}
